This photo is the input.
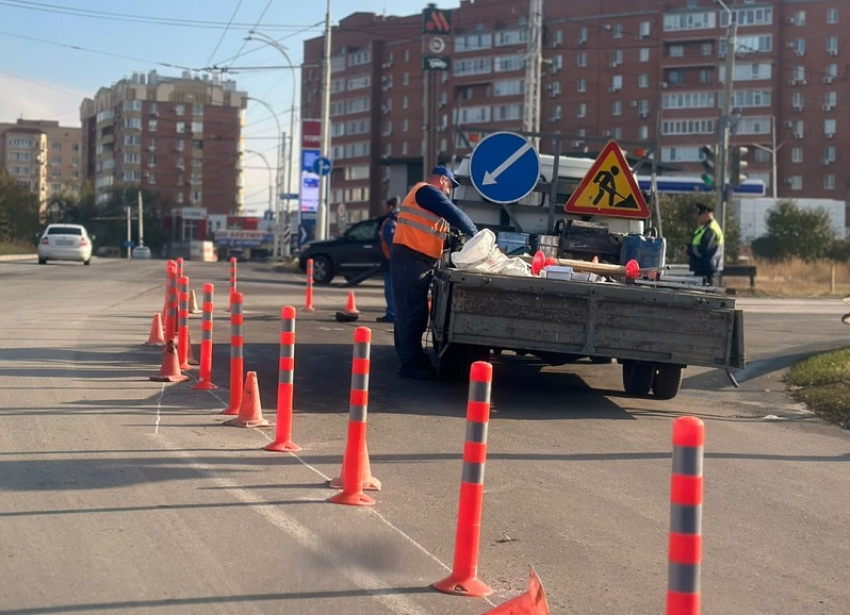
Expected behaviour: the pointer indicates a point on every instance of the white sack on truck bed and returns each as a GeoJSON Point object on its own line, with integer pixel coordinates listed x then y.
{"type": "Point", "coordinates": [481, 254]}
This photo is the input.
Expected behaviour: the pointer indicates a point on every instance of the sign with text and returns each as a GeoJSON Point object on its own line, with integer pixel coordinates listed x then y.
{"type": "Point", "coordinates": [311, 134]}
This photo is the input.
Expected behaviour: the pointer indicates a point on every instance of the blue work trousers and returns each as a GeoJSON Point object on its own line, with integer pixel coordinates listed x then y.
{"type": "Point", "coordinates": [411, 274]}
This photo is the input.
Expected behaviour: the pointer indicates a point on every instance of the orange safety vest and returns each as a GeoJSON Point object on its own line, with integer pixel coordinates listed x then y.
{"type": "Point", "coordinates": [418, 228]}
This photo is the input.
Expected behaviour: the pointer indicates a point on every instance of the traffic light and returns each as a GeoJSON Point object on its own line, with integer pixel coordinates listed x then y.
{"type": "Point", "coordinates": [737, 165]}
{"type": "Point", "coordinates": [708, 153]}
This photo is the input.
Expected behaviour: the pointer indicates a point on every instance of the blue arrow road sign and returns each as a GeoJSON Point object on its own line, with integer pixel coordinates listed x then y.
{"type": "Point", "coordinates": [322, 166]}
{"type": "Point", "coordinates": [504, 167]}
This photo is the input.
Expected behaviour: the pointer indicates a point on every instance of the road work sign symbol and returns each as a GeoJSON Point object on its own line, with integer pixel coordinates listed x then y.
{"type": "Point", "coordinates": [504, 167]}
{"type": "Point", "coordinates": [609, 188]}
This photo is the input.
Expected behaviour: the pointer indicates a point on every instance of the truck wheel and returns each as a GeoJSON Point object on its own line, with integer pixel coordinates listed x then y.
{"type": "Point", "coordinates": [668, 379]}
{"type": "Point", "coordinates": [323, 270]}
{"type": "Point", "coordinates": [638, 377]}
{"type": "Point", "coordinates": [454, 364]}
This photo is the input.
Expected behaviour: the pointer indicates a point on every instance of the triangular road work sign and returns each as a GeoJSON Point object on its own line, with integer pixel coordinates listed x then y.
{"type": "Point", "coordinates": [609, 188]}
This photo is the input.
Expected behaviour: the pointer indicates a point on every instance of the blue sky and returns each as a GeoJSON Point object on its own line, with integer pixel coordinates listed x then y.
{"type": "Point", "coordinates": [53, 53]}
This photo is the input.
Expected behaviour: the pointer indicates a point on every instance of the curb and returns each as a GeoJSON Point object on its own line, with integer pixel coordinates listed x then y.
{"type": "Point", "coordinates": [18, 257]}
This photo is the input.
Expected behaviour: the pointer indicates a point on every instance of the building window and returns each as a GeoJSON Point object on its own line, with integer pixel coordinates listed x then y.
{"type": "Point", "coordinates": [581, 59]}
{"type": "Point", "coordinates": [832, 16]}
{"type": "Point", "coordinates": [152, 125]}
{"type": "Point", "coordinates": [154, 108]}
{"type": "Point", "coordinates": [676, 51]}
{"type": "Point", "coordinates": [832, 45]}
{"type": "Point", "coordinates": [687, 127]}
{"type": "Point", "coordinates": [152, 160]}
{"type": "Point", "coordinates": [151, 178]}
{"type": "Point", "coordinates": [581, 85]}
{"type": "Point", "coordinates": [797, 155]}
{"type": "Point", "coordinates": [582, 35]}
{"type": "Point", "coordinates": [509, 63]}
{"type": "Point", "coordinates": [511, 37]}
{"type": "Point", "coordinates": [829, 154]}
{"type": "Point", "coordinates": [829, 182]}
{"type": "Point", "coordinates": [507, 87]}
{"type": "Point", "coordinates": [132, 105]}
{"type": "Point", "coordinates": [618, 30]}
{"type": "Point", "coordinates": [56, 146]}
{"type": "Point", "coordinates": [689, 21]}
{"type": "Point", "coordinates": [131, 157]}
{"type": "Point", "coordinates": [706, 49]}
{"type": "Point", "coordinates": [134, 123]}
{"type": "Point", "coordinates": [643, 54]}
{"type": "Point", "coordinates": [796, 182]}
{"type": "Point", "coordinates": [197, 127]}
{"type": "Point", "coordinates": [680, 154]}
{"type": "Point", "coordinates": [751, 17]}
{"type": "Point", "coordinates": [473, 42]}
{"type": "Point", "coordinates": [645, 29]}
{"type": "Point", "coordinates": [404, 125]}
{"type": "Point", "coordinates": [181, 127]}
{"type": "Point", "coordinates": [473, 66]}
{"type": "Point", "coordinates": [582, 110]}
{"type": "Point", "coordinates": [180, 109]}
{"type": "Point", "coordinates": [617, 108]}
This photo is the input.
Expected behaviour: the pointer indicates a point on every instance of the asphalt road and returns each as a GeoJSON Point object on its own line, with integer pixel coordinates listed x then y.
{"type": "Point", "coordinates": [122, 495]}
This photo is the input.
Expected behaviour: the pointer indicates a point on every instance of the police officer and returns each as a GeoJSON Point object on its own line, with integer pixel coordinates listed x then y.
{"type": "Point", "coordinates": [705, 251]}
{"type": "Point", "coordinates": [424, 219]}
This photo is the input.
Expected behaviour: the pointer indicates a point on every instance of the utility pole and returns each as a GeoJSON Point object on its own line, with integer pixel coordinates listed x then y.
{"type": "Point", "coordinates": [129, 231]}
{"type": "Point", "coordinates": [141, 221]}
{"type": "Point", "coordinates": [724, 124]}
{"type": "Point", "coordinates": [324, 188]}
{"type": "Point", "coordinates": [533, 61]}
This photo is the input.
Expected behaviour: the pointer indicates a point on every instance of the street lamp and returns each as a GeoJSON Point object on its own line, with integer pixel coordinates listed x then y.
{"type": "Point", "coordinates": [276, 207]}
{"type": "Point", "coordinates": [271, 182]}
{"type": "Point", "coordinates": [723, 166]}
{"type": "Point", "coordinates": [253, 35]}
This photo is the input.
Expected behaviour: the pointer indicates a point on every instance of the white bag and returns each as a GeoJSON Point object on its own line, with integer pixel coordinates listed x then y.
{"type": "Point", "coordinates": [477, 250]}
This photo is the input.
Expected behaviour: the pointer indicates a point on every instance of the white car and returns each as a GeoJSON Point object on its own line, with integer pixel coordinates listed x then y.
{"type": "Point", "coordinates": [141, 252]}
{"type": "Point", "coordinates": [65, 242]}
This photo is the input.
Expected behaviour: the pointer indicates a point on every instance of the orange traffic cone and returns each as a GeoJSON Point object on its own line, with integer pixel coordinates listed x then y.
{"type": "Point", "coordinates": [170, 370]}
{"type": "Point", "coordinates": [369, 482]}
{"type": "Point", "coordinates": [250, 412]}
{"type": "Point", "coordinates": [193, 305]}
{"type": "Point", "coordinates": [351, 305]}
{"type": "Point", "coordinates": [155, 337]}
{"type": "Point", "coordinates": [532, 602]}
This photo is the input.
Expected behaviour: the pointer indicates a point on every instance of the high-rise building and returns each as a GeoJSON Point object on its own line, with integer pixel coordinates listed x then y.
{"type": "Point", "coordinates": [179, 137]}
{"type": "Point", "coordinates": [42, 156]}
{"type": "Point", "coordinates": [635, 70]}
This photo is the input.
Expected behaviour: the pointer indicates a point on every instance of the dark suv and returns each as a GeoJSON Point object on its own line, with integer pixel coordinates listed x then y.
{"type": "Point", "coordinates": [355, 252]}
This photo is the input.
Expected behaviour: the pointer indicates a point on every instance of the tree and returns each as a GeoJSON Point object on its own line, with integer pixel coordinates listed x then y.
{"type": "Point", "coordinates": [794, 232]}
{"type": "Point", "coordinates": [19, 211]}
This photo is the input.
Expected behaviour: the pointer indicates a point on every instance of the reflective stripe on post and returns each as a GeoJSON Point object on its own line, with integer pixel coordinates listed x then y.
{"type": "Point", "coordinates": [205, 377]}
{"type": "Point", "coordinates": [686, 496]}
{"type": "Point", "coordinates": [183, 325]}
{"type": "Point", "coordinates": [355, 460]}
{"type": "Point", "coordinates": [285, 384]}
{"type": "Point", "coordinates": [237, 360]}
{"type": "Point", "coordinates": [308, 305]}
{"type": "Point", "coordinates": [464, 580]}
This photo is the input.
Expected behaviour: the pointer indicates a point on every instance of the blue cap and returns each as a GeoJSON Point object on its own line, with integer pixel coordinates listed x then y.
{"type": "Point", "coordinates": [446, 172]}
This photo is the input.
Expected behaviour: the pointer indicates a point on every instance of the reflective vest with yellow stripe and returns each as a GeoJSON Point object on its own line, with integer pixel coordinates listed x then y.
{"type": "Point", "coordinates": [418, 228]}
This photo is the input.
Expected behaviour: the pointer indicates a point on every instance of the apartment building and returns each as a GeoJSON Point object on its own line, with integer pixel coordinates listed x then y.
{"type": "Point", "coordinates": [42, 156]}
{"type": "Point", "coordinates": [179, 137]}
{"type": "Point", "coordinates": [634, 70]}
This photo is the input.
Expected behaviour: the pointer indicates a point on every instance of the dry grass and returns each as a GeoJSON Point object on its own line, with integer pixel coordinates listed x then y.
{"type": "Point", "coordinates": [796, 278]}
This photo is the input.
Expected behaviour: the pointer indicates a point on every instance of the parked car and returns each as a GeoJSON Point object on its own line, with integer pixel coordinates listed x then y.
{"type": "Point", "coordinates": [353, 253]}
{"type": "Point", "coordinates": [65, 242]}
{"type": "Point", "coordinates": [141, 252]}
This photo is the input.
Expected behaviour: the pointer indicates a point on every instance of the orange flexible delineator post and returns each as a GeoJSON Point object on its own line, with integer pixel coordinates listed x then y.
{"type": "Point", "coordinates": [464, 581]}
{"type": "Point", "coordinates": [237, 357]}
{"type": "Point", "coordinates": [686, 494]}
{"type": "Point", "coordinates": [205, 372]}
{"type": "Point", "coordinates": [183, 324]}
{"type": "Point", "coordinates": [355, 445]}
{"type": "Point", "coordinates": [178, 264]}
{"type": "Point", "coordinates": [308, 305]}
{"type": "Point", "coordinates": [232, 282]}
{"type": "Point", "coordinates": [285, 384]}
{"type": "Point", "coordinates": [168, 266]}
{"type": "Point", "coordinates": [171, 312]}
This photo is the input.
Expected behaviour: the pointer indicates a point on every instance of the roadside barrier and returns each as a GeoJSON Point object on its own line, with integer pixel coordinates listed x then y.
{"type": "Point", "coordinates": [179, 262]}
{"type": "Point", "coordinates": [170, 369]}
{"type": "Point", "coordinates": [168, 266]}
{"type": "Point", "coordinates": [285, 384]}
{"type": "Point", "coordinates": [308, 305]}
{"type": "Point", "coordinates": [237, 360]}
{"type": "Point", "coordinates": [183, 324]}
{"type": "Point", "coordinates": [205, 375]}
{"type": "Point", "coordinates": [232, 282]}
{"type": "Point", "coordinates": [354, 461]}
{"type": "Point", "coordinates": [463, 581]}
{"type": "Point", "coordinates": [686, 494]}
{"type": "Point", "coordinates": [250, 412]}
{"type": "Point", "coordinates": [532, 602]}
{"type": "Point", "coordinates": [155, 337]}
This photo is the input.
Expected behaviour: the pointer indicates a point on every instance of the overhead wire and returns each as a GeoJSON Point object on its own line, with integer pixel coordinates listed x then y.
{"type": "Point", "coordinates": [224, 33]}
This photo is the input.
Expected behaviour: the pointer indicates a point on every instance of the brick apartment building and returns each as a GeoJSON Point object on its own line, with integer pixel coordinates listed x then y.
{"type": "Point", "coordinates": [179, 137]}
{"type": "Point", "coordinates": [42, 156]}
{"type": "Point", "coordinates": [622, 69]}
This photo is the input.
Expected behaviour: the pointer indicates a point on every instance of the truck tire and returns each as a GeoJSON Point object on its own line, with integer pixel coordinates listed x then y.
{"type": "Point", "coordinates": [454, 364]}
{"type": "Point", "coordinates": [668, 379]}
{"type": "Point", "coordinates": [323, 269]}
{"type": "Point", "coordinates": [638, 377]}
